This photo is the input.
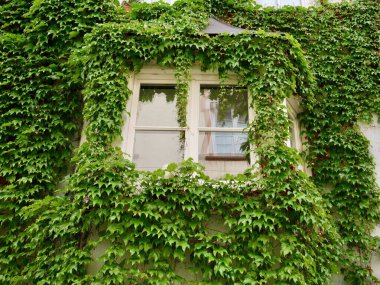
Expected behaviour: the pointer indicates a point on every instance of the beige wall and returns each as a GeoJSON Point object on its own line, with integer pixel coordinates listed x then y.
{"type": "Point", "coordinates": [372, 132]}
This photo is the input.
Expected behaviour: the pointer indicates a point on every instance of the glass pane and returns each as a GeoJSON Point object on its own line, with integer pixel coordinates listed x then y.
{"type": "Point", "coordinates": [157, 106]}
{"type": "Point", "coordinates": [155, 149]}
{"type": "Point", "coordinates": [223, 152]}
{"type": "Point", "coordinates": [223, 107]}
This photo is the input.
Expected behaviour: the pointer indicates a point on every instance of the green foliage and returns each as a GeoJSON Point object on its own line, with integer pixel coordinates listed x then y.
{"type": "Point", "coordinates": [12, 15]}
{"type": "Point", "coordinates": [341, 44]}
{"type": "Point", "coordinates": [280, 228]}
{"type": "Point", "coordinates": [39, 103]}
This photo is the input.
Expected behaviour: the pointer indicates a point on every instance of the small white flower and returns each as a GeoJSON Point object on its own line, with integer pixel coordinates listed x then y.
{"type": "Point", "coordinates": [167, 175]}
{"type": "Point", "coordinates": [194, 174]}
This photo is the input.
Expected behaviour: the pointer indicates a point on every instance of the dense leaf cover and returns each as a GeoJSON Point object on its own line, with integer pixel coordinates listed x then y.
{"type": "Point", "coordinates": [341, 43]}
{"type": "Point", "coordinates": [280, 227]}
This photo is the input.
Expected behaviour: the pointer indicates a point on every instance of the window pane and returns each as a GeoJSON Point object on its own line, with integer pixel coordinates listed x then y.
{"type": "Point", "coordinates": [227, 107]}
{"type": "Point", "coordinates": [223, 152]}
{"type": "Point", "coordinates": [157, 106]}
{"type": "Point", "coordinates": [154, 149]}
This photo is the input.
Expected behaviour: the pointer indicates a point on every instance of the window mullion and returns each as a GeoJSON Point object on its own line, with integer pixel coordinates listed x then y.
{"type": "Point", "coordinates": [158, 128]}
{"type": "Point", "coordinates": [251, 118]}
{"type": "Point", "coordinates": [128, 147]}
{"type": "Point", "coordinates": [219, 129]}
{"type": "Point", "coordinates": [284, 103]}
{"type": "Point", "coordinates": [191, 145]}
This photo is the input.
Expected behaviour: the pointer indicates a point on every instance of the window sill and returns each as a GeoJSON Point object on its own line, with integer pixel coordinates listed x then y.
{"type": "Point", "coordinates": [223, 157]}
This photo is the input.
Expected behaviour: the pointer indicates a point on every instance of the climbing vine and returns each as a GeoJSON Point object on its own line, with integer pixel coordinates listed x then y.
{"type": "Point", "coordinates": [341, 43]}
{"type": "Point", "coordinates": [279, 225]}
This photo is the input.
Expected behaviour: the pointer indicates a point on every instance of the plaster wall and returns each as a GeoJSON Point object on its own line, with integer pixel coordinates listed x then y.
{"type": "Point", "coordinates": [370, 130]}
{"type": "Point", "coordinates": [372, 133]}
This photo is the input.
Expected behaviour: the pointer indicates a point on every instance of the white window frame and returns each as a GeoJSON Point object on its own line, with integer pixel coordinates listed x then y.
{"type": "Point", "coordinates": [154, 75]}
{"type": "Point", "coordinates": [130, 128]}
{"type": "Point", "coordinates": [194, 122]}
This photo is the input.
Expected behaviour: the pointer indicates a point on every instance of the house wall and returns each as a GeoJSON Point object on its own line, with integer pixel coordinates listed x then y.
{"type": "Point", "coordinates": [372, 133]}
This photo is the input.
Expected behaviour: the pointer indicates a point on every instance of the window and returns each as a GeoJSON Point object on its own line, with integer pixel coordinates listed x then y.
{"type": "Point", "coordinates": [157, 135]}
{"type": "Point", "coordinates": [217, 118]}
{"type": "Point", "coordinates": [223, 117]}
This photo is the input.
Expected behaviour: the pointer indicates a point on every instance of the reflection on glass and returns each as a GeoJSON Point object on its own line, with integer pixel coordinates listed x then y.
{"type": "Point", "coordinates": [222, 153]}
{"type": "Point", "coordinates": [154, 149]}
{"type": "Point", "coordinates": [223, 107]}
{"type": "Point", "coordinates": [222, 144]}
{"type": "Point", "coordinates": [157, 106]}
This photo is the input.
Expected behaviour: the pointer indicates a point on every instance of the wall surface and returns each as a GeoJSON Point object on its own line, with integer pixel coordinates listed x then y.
{"type": "Point", "coordinates": [372, 132]}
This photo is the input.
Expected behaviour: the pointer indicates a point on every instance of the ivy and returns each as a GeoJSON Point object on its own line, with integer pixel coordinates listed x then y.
{"type": "Point", "coordinates": [40, 100]}
{"type": "Point", "coordinates": [67, 61]}
{"type": "Point", "coordinates": [341, 44]}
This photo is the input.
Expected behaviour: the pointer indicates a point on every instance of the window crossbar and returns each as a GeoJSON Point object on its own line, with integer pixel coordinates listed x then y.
{"type": "Point", "coordinates": [224, 130]}
{"type": "Point", "coordinates": [159, 128]}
